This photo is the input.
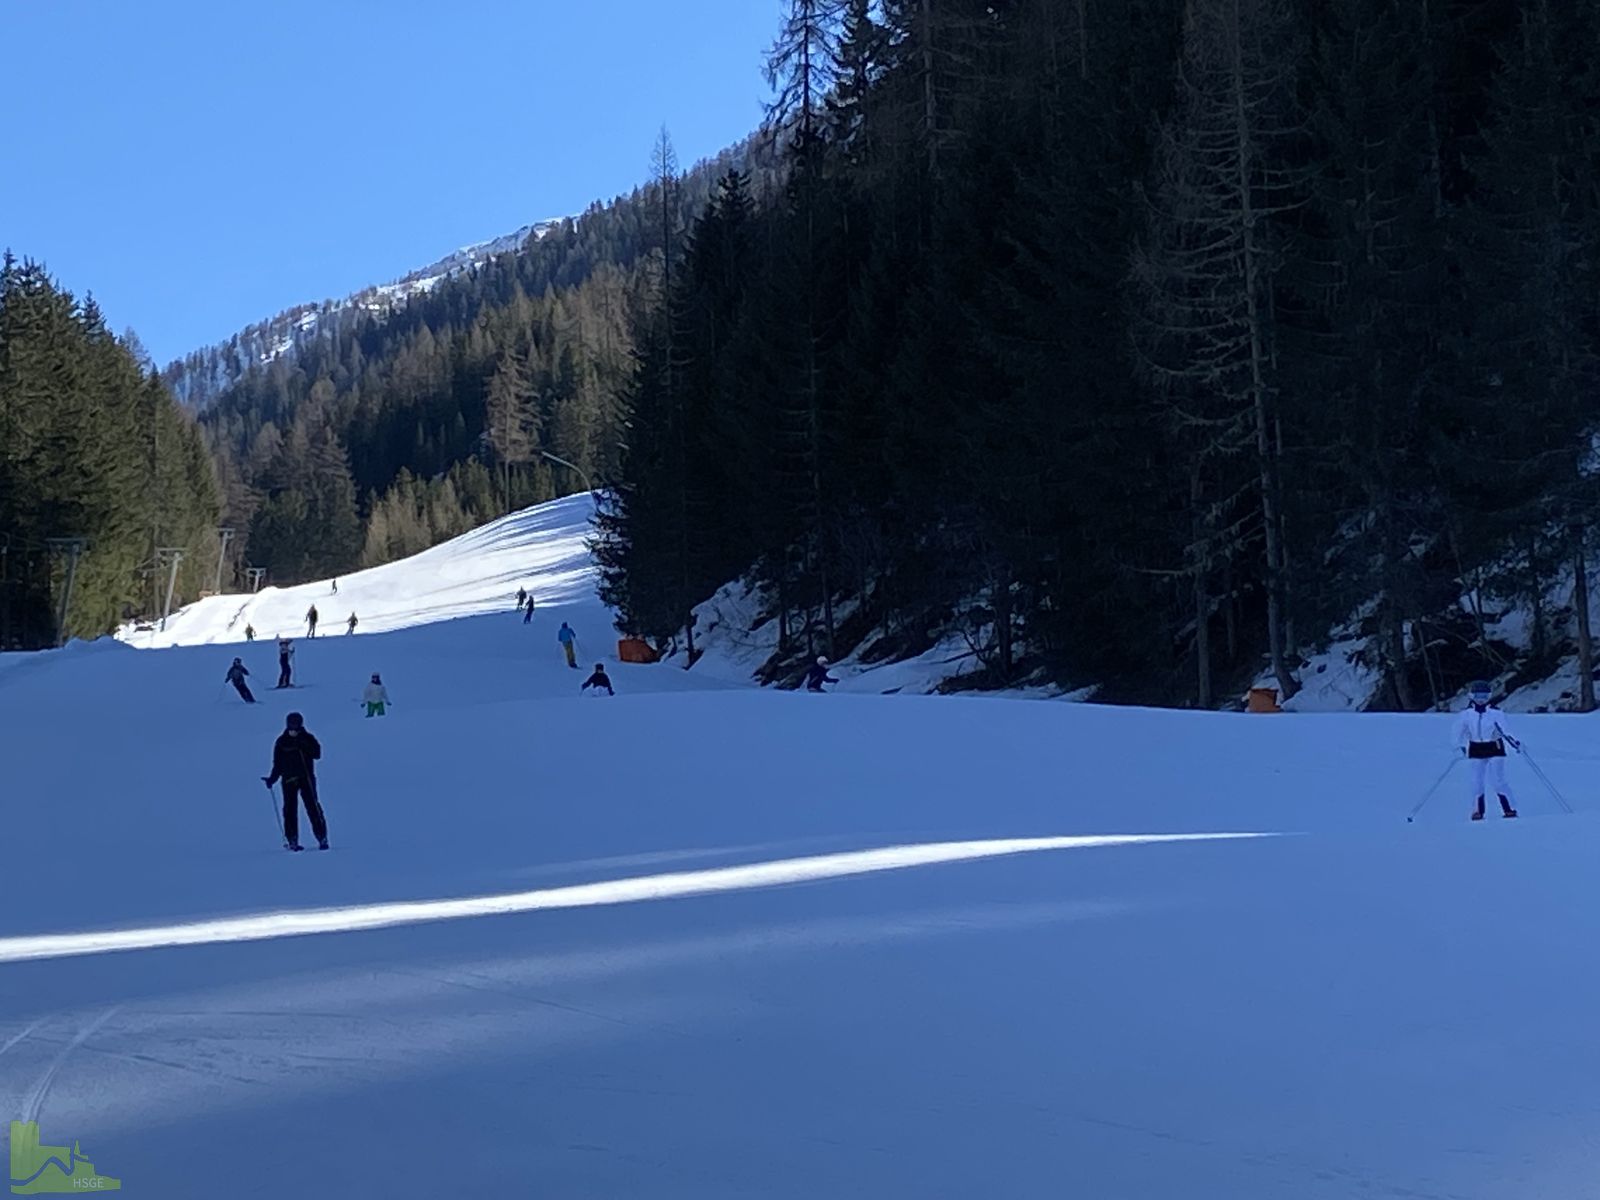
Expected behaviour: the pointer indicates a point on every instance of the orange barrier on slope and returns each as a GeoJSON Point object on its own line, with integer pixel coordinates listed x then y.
{"type": "Point", "coordinates": [1262, 700]}
{"type": "Point", "coordinates": [635, 650]}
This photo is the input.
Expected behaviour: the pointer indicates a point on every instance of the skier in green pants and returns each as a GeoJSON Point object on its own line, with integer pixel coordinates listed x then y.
{"type": "Point", "coordinates": [376, 697]}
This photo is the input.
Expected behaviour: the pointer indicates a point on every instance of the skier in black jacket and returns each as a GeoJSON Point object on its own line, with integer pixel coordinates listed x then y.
{"type": "Point", "coordinates": [598, 680]}
{"type": "Point", "coordinates": [817, 675]}
{"type": "Point", "coordinates": [235, 676]}
{"type": "Point", "coordinates": [294, 757]}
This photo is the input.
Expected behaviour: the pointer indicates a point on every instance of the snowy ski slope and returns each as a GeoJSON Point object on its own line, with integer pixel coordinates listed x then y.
{"type": "Point", "coordinates": [705, 940]}
{"type": "Point", "coordinates": [542, 548]}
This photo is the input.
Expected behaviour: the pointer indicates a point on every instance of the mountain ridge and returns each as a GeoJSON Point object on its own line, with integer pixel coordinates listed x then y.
{"type": "Point", "coordinates": [200, 376]}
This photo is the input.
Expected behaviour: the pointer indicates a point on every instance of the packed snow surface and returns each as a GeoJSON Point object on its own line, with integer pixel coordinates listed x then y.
{"type": "Point", "coordinates": [707, 940]}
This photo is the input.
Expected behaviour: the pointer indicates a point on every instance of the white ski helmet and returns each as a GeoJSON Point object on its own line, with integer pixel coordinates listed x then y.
{"type": "Point", "coordinates": [822, 660]}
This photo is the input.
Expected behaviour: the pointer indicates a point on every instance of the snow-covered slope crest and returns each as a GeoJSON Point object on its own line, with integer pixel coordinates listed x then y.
{"type": "Point", "coordinates": [201, 376]}
{"type": "Point", "coordinates": [543, 549]}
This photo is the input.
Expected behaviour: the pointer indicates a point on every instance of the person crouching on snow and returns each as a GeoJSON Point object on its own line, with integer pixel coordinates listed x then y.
{"type": "Point", "coordinates": [817, 675]}
{"type": "Point", "coordinates": [376, 697]}
{"type": "Point", "coordinates": [1482, 735]}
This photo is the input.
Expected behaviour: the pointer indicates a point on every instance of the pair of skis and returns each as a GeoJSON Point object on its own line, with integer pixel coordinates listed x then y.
{"type": "Point", "coordinates": [277, 820]}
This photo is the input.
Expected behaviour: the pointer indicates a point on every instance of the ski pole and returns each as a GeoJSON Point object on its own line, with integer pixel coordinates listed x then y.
{"type": "Point", "coordinates": [1428, 795]}
{"type": "Point", "coordinates": [277, 817]}
{"type": "Point", "coordinates": [1544, 779]}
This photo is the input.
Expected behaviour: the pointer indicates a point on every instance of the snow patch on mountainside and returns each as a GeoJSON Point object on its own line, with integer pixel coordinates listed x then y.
{"type": "Point", "coordinates": [200, 377]}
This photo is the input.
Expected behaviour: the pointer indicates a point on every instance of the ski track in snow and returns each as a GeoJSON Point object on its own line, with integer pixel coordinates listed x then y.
{"type": "Point", "coordinates": [34, 1104]}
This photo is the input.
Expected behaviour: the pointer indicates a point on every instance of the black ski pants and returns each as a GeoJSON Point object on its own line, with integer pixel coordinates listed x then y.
{"type": "Point", "coordinates": [294, 792]}
{"type": "Point", "coordinates": [283, 670]}
{"type": "Point", "coordinates": [244, 691]}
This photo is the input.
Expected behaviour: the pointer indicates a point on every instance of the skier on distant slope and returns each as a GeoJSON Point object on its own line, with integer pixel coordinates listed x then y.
{"type": "Point", "coordinates": [352, 628]}
{"type": "Point", "coordinates": [285, 662]}
{"type": "Point", "coordinates": [235, 676]}
{"type": "Point", "coordinates": [598, 680]}
{"type": "Point", "coordinates": [376, 697]}
{"type": "Point", "coordinates": [311, 621]}
{"type": "Point", "coordinates": [527, 611]}
{"type": "Point", "coordinates": [817, 675]}
{"type": "Point", "coordinates": [294, 756]}
{"type": "Point", "coordinates": [522, 598]}
{"type": "Point", "coordinates": [249, 633]}
{"type": "Point", "coordinates": [1482, 735]}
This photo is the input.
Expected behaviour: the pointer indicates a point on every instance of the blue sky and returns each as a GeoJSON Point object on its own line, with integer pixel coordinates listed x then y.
{"type": "Point", "coordinates": [202, 164]}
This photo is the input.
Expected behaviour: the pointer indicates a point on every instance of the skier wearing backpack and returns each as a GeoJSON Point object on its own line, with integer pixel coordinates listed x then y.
{"type": "Point", "coordinates": [285, 662]}
{"type": "Point", "coordinates": [235, 676]}
{"type": "Point", "coordinates": [376, 697]}
{"type": "Point", "coordinates": [1482, 735]}
{"type": "Point", "coordinates": [568, 641]}
{"type": "Point", "coordinates": [294, 757]}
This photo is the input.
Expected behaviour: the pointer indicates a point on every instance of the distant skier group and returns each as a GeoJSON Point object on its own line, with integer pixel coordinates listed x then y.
{"type": "Point", "coordinates": [566, 636]}
{"type": "Point", "coordinates": [311, 619]}
{"type": "Point", "coordinates": [296, 751]}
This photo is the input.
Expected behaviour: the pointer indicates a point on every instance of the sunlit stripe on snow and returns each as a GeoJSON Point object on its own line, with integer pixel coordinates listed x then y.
{"type": "Point", "coordinates": [583, 895]}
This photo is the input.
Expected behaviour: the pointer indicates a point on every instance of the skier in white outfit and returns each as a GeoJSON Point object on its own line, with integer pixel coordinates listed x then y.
{"type": "Point", "coordinates": [1482, 735]}
{"type": "Point", "coordinates": [376, 697]}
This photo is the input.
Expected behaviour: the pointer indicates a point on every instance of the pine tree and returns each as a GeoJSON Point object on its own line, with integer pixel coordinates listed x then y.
{"type": "Point", "coordinates": [1363, 336]}
{"type": "Point", "coordinates": [512, 422]}
{"type": "Point", "coordinates": [1205, 279]}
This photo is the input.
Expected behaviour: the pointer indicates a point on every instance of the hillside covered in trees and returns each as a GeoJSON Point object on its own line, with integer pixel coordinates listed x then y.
{"type": "Point", "coordinates": [1143, 342]}
{"type": "Point", "coordinates": [104, 480]}
{"type": "Point", "coordinates": [392, 429]}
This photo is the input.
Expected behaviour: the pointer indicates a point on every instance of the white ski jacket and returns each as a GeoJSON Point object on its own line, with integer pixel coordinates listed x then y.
{"type": "Point", "coordinates": [376, 693]}
{"type": "Point", "coordinates": [1486, 726]}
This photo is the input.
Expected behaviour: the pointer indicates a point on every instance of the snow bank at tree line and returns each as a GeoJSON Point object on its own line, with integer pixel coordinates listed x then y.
{"type": "Point", "coordinates": [545, 549]}
{"type": "Point", "coordinates": [1336, 677]}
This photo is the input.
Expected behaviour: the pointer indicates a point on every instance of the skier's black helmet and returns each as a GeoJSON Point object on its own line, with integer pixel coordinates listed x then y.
{"type": "Point", "coordinates": [294, 721]}
{"type": "Point", "coordinates": [236, 662]}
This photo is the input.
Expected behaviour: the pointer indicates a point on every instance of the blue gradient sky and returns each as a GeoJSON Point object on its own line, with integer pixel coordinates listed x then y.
{"type": "Point", "coordinates": [199, 165]}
